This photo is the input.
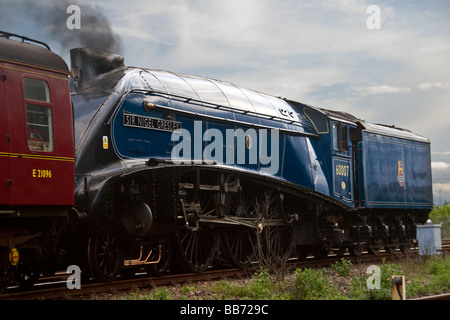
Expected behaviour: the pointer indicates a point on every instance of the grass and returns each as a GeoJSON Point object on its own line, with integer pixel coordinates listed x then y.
{"type": "Point", "coordinates": [341, 281]}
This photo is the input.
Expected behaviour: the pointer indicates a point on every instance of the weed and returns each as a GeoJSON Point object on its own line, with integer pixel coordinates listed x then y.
{"type": "Point", "coordinates": [430, 276]}
{"type": "Point", "coordinates": [310, 284]}
{"type": "Point", "coordinates": [343, 267]}
{"type": "Point", "coordinates": [160, 294]}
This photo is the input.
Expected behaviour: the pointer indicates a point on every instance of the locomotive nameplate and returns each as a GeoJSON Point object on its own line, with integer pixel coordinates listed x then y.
{"type": "Point", "coordinates": [136, 121]}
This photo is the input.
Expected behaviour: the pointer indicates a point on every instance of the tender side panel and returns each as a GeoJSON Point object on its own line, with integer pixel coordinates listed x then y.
{"type": "Point", "coordinates": [396, 173]}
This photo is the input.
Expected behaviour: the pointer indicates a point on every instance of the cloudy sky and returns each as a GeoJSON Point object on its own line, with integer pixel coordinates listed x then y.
{"type": "Point", "coordinates": [318, 52]}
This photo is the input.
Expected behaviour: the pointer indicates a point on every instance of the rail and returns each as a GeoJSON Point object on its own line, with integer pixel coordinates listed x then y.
{"type": "Point", "coordinates": [54, 288]}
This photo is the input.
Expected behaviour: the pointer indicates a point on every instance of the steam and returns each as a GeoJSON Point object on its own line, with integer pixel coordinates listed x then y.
{"type": "Point", "coordinates": [95, 28]}
{"type": "Point", "coordinates": [49, 17]}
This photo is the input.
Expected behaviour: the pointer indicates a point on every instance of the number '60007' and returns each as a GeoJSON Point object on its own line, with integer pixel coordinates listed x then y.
{"type": "Point", "coordinates": [342, 170]}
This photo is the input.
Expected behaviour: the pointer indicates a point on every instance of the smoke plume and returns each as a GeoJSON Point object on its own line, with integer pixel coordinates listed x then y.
{"type": "Point", "coordinates": [49, 17]}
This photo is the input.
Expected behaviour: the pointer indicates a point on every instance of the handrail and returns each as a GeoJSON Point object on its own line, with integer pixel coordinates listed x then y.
{"type": "Point", "coordinates": [7, 35]}
{"type": "Point", "coordinates": [251, 125]}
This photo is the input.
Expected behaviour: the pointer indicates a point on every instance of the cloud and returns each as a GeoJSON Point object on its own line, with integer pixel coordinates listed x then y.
{"type": "Point", "coordinates": [440, 165]}
{"type": "Point", "coordinates": [441, 153]}
{"type": "Point", "coordinates": [439, 85]}
{"type": "Point", "coordinates": [349, 6]}
{"type": "Point", "coordinates": [441, 187]}
{"type": "Point", "coordinates": [441, 190]}
{"type": "Point", "coordinates": [440, 159]}
{"type": "Point", "coordinates": [441, 172]}
{"type": "Point", "coordinates": [365, 91]}
{"type": "Point", "coordinates": [441, 181]}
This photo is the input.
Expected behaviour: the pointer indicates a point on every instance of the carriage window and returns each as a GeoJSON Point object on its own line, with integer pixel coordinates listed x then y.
{"type": "Point", "coordinates": [340, 137]}
{"type": "Point", "coordinates": [36, 90]}
{"type": "Point", "coordinates": [39, 115]}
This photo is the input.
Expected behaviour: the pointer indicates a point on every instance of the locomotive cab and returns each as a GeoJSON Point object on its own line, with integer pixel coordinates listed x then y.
{"type": "Point", "coordinates": [335, 143]}
{"type": "Point", "coordinates": [342, 162]}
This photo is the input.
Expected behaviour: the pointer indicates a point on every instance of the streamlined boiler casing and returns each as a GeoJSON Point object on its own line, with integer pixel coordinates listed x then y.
{"type": "Point", "coordinates": [130, 119]}
{"type": "Point", "coordinates": [149, 117]}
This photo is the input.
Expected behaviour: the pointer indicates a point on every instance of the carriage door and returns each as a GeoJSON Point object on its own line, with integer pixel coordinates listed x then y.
{"type": "Point", "coordinates": [342, 163]}
{"type": "Point", "coordinates": [4, 141]}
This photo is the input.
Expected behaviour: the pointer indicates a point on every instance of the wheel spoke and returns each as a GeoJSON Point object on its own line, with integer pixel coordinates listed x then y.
{"type": "Point", "coordinates": [238, 242]}
{"type": "Point", "coordinates": [104, 257]}
{"type": "Point", "coordinates": [238, 245]}
{"type": "Point", "coordinates": [197, 247]}
{"type": "Point", "coordinates": [195, 241]}
{"type": "Point", "coordinates": [281, 243]}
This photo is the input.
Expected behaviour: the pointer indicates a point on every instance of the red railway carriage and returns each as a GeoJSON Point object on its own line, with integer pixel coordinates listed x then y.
{"type": "Point", "coordinates": [36, 151]}
{"type": "Point", "coordinates": [36, 135]}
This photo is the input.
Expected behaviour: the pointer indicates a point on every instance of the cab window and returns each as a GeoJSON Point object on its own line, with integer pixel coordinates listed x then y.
{"type": "Point", "coordinates": [319, 122]}
{"type": "Point", "coordinates": [39, 115]}
{"type": "Point", "coordinates": [339, 137]}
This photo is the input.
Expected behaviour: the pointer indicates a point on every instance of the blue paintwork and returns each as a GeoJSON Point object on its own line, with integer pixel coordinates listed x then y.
{"type": "Point", "coordinates": [342, 179]}
{"type": "Point", "coordinates": [150, 111]}
{"type": "Point", "coordinates": [227, 109]}
{"type": "Point", "coordinates": [384, 158]}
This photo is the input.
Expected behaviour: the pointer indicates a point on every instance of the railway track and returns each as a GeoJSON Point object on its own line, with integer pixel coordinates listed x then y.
{"type": "Point", "coordinates": [445, 296]}
{"type": "Point", "coordinates": [59, 290]}
{"type": "Point", "coordinates": [55, 287]}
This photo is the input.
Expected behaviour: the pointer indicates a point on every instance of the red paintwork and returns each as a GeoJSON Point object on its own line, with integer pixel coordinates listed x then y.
{"type": "Point", "coordinates": [4, 146]}
{"type": "Point", "coordinates": [25, 177]}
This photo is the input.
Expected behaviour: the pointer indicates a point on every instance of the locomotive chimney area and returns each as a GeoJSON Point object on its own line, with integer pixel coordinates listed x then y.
{"type": "Point", "coordinates": [88, 64]}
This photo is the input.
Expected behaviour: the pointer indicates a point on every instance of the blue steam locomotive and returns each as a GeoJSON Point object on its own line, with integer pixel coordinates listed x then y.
{"type": "Point", "coordinates": [175, 170]}
{"type": "Point", "coordinates": [173, 167]}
